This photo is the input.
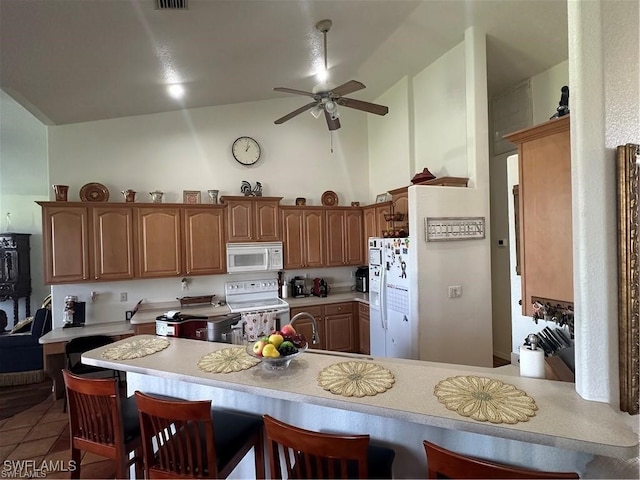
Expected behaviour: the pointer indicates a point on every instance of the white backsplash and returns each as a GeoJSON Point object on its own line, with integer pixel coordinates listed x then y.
{"type": "Point", "coordinates": [107, 307]}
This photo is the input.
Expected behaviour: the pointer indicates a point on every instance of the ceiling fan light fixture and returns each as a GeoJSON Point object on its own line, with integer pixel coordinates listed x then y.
{"type": "Point", "coordinates": [331, 107]}
{"type": "Point", "coordinates": [176, 91]}
{"type": "Point", "coordinates": [316, 111]}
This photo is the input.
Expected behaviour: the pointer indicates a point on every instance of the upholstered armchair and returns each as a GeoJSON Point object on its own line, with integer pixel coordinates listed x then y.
{"type": "Point", "coordinates": [22, 352]}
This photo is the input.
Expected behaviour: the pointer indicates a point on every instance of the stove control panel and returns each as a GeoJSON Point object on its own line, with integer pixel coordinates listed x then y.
{"type": "Point", "coordinates": [252, 286]}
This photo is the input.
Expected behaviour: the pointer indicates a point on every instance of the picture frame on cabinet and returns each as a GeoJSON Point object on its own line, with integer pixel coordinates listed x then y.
{"type": "Point", "coordinates": [628, 177]}
{"type": "Point", "coordinates": [383, 197]}
{"type": "Point", "coordinates": [191, 196]}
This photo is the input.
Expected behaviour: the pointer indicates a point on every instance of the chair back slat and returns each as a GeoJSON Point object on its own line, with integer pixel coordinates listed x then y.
{"type": "Point", "coordinates": [308, 454]}
{"type": "Point", "coordinates": [93, 409]}
{"type": "Point", "coordinates": [443, 463]}
{"type": "Point", "coordinates": [177, 437]}
{"type": "Point", "coordinates": [98, 424]}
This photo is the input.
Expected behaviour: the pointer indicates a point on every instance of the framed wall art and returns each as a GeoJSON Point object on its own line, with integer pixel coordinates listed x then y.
{"type": "Point", "coordinates": [191, 196]}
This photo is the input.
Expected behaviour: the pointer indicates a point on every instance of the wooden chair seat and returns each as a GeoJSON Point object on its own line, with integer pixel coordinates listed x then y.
{"type": "Point", "coordinates": [102, 423]}
{"type": "Point", "coordinates": [298, 453]}
{"type": "Point", "coordinates": [186, 439]}
{"type": "Point", "coordinates": [443, 463]}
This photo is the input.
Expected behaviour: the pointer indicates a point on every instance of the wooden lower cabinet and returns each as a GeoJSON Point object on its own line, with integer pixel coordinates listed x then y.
{"type": "Point", "coordinates": [145, 329]}
{"type": "Point", "coordinates": [364, 328]}
{"type": "Point", "coordinates": [336, 326]}
{"type": "Point", "coordinates": [339, 327]}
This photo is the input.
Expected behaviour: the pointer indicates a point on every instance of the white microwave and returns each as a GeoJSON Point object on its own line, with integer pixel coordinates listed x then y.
{"type": "Point", "coordinates": [254, 257]}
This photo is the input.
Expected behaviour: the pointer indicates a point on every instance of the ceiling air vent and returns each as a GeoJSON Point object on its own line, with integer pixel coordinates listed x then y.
{"type": "Point", "coordinates": [171, 4]}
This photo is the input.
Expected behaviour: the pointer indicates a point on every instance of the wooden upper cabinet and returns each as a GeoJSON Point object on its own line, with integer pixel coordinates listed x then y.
{"type": "Point", "coordinates": [204, 240]}
{"type": "Point", "coordinates": [355, 231]}
{"type": "Point", "coordinates": [159, 242]}
{"type": "Point", "coordinates": [546, 250]}
{"type": "Point", "coordinates": [303, 234]}
{"type": "Point", "coordinates": [374, 223]}
{"type": "Point", "coordinates": [113, 243]}
{"type": "Point", "coordinates": [65, 243]}
{"type": "Point", "coordinates": [252, 219]}
{"type": "Point", "coordinates": [344, 236]}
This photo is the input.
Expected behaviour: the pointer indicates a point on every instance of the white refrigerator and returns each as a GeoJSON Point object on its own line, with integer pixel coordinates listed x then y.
{"type": "Point", "coordinates": [394, 333]}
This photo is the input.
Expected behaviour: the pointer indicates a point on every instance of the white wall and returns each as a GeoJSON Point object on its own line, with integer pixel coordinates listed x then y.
{"type": "Point", "coordinates": [191, 150]}
{"type": "Point", "coordinates": [390, 152]}
{"type": "Point", "coordinates": [23, 181]}
{"type": "Point", "coordinates": [440, 116]}
{"type": "Point", "coordinates": [453, 330]}
{"type": "Point", "coordinates": [545, 91]}
{"type": "Point", "coordinates": [604, 71]}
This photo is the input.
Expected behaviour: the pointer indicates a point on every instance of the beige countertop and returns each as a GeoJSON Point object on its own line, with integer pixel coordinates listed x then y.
{"type": "Point", "coordinates": [563, 419]}
{"type": "Point", "coordinates": [350, 296]}
{"type": "Point", "coordinates": [147, 313]}
{"type": "Point", "coordinates": [66, 334]}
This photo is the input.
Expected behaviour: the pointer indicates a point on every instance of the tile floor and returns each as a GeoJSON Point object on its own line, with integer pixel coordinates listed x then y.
{"type": "Point", "coordinates": [38, 439]}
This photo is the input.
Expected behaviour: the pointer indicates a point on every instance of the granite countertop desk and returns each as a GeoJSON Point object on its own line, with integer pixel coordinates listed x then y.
{"type": "Point", "coordinates": [563, 420]}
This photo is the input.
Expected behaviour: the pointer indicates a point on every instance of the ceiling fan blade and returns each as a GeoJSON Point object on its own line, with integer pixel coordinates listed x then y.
{"type": "Point", "coordinates": [347, 88]}
{"type": "Point", "coordinates": [365, 106]}
{"type": "Point", "coordinates": [333, 124]}
{"type": "Point", "coordinates": [298, 111]}
{"type": "Point", "coordinates": [293, 90]}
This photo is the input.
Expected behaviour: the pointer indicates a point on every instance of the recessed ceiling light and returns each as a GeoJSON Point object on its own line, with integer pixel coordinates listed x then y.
{"type": "Point", "coordinates": [176, 91]}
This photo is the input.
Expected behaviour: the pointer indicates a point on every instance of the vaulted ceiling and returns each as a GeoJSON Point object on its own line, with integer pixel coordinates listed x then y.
{"type": "Point", "coordinates": [71, 61]}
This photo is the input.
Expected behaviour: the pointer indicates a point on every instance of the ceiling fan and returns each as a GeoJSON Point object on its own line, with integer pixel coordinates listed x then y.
{"type": "Point", "coordinates": [327, 99]}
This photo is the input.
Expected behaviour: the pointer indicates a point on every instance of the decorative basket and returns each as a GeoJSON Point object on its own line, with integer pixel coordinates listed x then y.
{"type": "Point", "coordinates": [200, 300]}
{"type": "Point", "coordinates": [394, 217]}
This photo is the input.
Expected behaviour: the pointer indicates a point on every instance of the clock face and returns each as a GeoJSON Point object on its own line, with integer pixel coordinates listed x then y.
{"type": "Point", "coordinates": [246, 150]}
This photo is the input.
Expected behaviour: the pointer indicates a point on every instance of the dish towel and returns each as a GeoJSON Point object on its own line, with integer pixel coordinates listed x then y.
{"type": "Point", "coordinates": [258, 324]}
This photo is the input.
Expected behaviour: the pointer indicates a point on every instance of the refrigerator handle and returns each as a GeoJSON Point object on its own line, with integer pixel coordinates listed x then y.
{"type": "Point", "coordinates": [383, 296]}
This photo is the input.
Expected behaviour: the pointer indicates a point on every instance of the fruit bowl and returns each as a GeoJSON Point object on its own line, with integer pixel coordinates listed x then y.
{"type": "Point", "coordinates": [277, 363]}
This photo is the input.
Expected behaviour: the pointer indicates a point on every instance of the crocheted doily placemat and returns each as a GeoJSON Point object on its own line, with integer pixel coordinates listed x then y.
{"type": "Point", "coordinates": [136, 348]}
{"type": "Point", "coordinates": [485, 399]}
{"type": "Point", "coordinates": [227, 360]}
{"type": "Point", "coordinates": [355, 379]}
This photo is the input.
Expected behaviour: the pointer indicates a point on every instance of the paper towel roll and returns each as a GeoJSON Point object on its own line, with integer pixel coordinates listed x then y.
{"type": "Point", "coordinates": [531, 362]}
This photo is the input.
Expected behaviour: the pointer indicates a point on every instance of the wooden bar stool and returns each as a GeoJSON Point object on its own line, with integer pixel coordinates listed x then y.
{"type": "Point", "coordinates": [443, 463]}
{"type": "Point", "coordinates": [102, 423]}
{"type": "Point", "coordinates": [307, 454]}
{"type": "Point", "coordinates": [186, 439]}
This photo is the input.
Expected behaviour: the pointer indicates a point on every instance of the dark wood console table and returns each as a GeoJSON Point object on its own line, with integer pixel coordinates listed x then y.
{"type": "Point", "coordinates": [15, 271]}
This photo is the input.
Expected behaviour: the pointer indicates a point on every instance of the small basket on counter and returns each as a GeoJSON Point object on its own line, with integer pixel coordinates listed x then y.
{"type": "Point", "coordinates": [196, 300]}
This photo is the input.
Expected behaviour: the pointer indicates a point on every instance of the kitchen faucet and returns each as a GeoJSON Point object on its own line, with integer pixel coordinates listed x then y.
{"type": "Point", "coordinates": [314, 327]}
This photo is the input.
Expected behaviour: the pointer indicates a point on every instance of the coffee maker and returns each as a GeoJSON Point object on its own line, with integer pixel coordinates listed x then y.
{"type": "Point", "coordinates": [74, 312]}
{"type": "Point", "coordinates": [362, 279]}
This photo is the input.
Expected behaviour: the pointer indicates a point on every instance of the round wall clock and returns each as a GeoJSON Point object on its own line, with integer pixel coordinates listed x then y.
{"type": "Point", "coordinates": [246, 150]}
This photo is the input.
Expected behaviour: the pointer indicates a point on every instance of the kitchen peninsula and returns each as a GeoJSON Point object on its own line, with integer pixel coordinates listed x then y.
{"type": "Point", "coordinates": [566, 432]}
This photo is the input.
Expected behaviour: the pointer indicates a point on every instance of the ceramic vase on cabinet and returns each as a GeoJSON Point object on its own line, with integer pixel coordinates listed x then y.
{"type": "Point", "coordinates": [61, 192]}
{"type": "Point", "coordinates": [156, 196]}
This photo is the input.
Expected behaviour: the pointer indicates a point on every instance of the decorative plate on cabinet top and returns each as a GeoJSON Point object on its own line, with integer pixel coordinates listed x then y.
{"type": "Point", "coordinates": [329, 199]}
{"type": "Point", "coordinates": [94, 192]}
